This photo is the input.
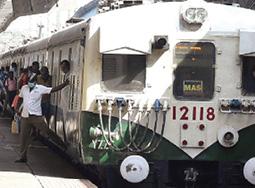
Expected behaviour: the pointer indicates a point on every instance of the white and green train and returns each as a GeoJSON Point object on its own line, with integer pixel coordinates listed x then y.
{"type": "Point", "coordinates": [161, 94]}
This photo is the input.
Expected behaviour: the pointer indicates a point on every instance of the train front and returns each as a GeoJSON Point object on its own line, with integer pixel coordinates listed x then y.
{"type": "Point", "coordinates": [169, 94]}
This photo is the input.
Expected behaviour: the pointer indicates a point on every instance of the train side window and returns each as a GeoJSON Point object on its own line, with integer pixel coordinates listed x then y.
{"type": "Point", "coordinates": [195, 72]}
{"type": "Point", "coordinates": [124, 72]}
{"type": "Point", "coordinates": [248, 75]}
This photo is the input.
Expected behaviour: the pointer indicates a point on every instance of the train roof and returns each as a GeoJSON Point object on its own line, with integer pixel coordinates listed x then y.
{"type": "Point", "coordinates": [131, 30]}
{"type": "Point", "coordinates": [37, 45]}
{"type": "Point", "coordinates": [68, 35]}
{"type": "Point", "coordinates": [116, 25]}
{"type": "Point", "coordinates": [220, 16]}
{"type": "Point", "coordinates": [6, 54]}
{"type": "Point", "coordinates": [20, 50]}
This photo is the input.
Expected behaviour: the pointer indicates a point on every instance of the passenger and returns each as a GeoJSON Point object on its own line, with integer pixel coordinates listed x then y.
{"type": "Point", "coordinates": [2, 74]}
{"type": "Point", "coordinates": [65, 68]}
{"type": "Point", "coordinates": [3, 77]}
{"type": "Point", "coordinates": [11, 88]}
{"type": "Point", "coordinates": [35, 68]}
{"type": "Point", "coordinates": [21, 70]}
{"type": "Point", "coordinates": [14, 70]}
{"type": "Point", "coordinates": [30, 72]}
{"type": "Point", "coordinates": [23, 79]}
{"type": "Point", "coordinates": [2, 80]}
{"type": "Point", "coordinates": [31, 115]}
{"type": "Point", "coordinates": [1, 107]}
{"type": "Point", "coordinates": [3, 96]}
{"type": "Point", "coordinates": [46, 80]}
{"type": "Point", "coordinates": [7, 69]}
{"type": "Point", "coordinates": [64, 95]}
{"type": "Point", "coordinates": [6, 72]}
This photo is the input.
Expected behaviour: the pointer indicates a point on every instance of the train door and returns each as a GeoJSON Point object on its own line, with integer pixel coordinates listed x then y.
{"type": "Point", "coordinates": [80, 82]}
{"type": "Point", "coordinates": [63, 96]}
{"type": "Point", "coordinates": [68, 97]}
{"type": "Point", "coordinates": [53, 73]}
{"type": "Point", "coordinates": [59, 123]}
{"type": "Point", "coordinates": [68, 107]}
{"type": "Point", "coordinates": [55, 58]}
{"type": "Point", "coordinates": [76, 57]}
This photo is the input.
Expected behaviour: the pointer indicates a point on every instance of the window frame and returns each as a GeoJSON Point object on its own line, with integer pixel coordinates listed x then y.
{"type": "Point", "coordinates": [182, 97]}
{"type": "Point", "coordinates": [246, 70]}
{"type": "Point", "coordinates": [106, 88]}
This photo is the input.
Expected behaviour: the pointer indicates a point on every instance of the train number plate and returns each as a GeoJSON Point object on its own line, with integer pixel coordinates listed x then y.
{"type": "Point", "coordinates": [192, 113]}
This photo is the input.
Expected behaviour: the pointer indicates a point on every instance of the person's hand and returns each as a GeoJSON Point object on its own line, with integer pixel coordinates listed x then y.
{"type": "Point", "coordinates": [17, 112]}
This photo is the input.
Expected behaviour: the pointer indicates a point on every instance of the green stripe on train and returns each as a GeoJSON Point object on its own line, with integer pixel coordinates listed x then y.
{"type": "Point", "coordinates": [244, 149]}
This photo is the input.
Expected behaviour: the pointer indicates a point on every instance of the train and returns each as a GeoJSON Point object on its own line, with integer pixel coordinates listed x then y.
{"type": "Point", "coordinates": [160, 95]}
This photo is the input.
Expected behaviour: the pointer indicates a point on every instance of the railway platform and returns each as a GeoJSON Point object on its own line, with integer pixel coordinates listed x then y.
{"type": "Point", "coordinates": [44, 169]}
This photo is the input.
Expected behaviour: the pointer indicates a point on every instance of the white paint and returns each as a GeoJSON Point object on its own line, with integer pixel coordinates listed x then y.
{"type": "Point", "coordinates": [221, 28]}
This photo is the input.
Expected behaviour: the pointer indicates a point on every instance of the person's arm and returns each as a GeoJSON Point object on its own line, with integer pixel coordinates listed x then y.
{"type": "Point", "coordinates": [19, 103]}
{"type": "Point", "coordinates": [59, 87]}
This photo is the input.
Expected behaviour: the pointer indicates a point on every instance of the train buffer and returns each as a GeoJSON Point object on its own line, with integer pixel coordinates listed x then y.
{"type": "Point", "coordinates": [44, 169]}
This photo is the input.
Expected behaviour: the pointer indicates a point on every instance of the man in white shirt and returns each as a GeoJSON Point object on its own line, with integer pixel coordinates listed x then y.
{"type": "Point", "coordinates": [31, 115]}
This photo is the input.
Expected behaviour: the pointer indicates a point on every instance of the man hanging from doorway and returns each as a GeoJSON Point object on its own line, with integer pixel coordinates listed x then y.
{"type": "Point", "coordinates": [31, 116]}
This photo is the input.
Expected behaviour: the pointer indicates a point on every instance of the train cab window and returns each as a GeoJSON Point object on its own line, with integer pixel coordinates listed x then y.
{"type": "Point", "coordinates": [124, 72]}
{"type": "Point", "coordinates": [194, 75]}
{"type": "Point", "coordinates": [248, 75]}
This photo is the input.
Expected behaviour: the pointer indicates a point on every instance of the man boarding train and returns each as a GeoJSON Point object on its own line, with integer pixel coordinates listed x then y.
{"type": "Point", "coordinates": [31, 115]}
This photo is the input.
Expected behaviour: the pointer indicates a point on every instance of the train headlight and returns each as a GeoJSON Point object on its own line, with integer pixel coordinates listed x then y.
{"type": "Point", "coordinates": [201, 15]}
{"type": "Point", "coordinates": [227, 136]}
{"type": "Point", "coordinates": [134, 169]}
{"type": "Point", "coordinates": [190, 15]}
{"type": "Point", "coordinates": [195, 15]}
{"type": "Point", "coordinates": [249, 170]}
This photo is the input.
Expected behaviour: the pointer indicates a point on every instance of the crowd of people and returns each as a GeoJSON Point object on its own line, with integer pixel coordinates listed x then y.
{"type": "Point", "coordinates": [26, 94]}
{"type": "Point", "coordinates": [12, 80]}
